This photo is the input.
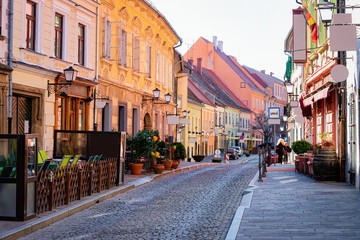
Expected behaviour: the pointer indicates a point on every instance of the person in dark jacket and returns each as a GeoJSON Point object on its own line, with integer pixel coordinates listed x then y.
{"type": "Point", "coordinates": [287, 151]}
{"type": "Point", "coordinates": [280, 150]}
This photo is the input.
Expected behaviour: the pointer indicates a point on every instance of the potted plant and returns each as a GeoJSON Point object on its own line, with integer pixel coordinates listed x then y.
{"type": "Point", "coordinates": [139, 147]}
{"type": "Point", "coordinates": [179, 154]}
{"type": "Point", "coordinates": [301, 146]}
{"type": "Point", "coordinates": [198, 158]}
{"type": "Point", "coordinates": [326, 140]}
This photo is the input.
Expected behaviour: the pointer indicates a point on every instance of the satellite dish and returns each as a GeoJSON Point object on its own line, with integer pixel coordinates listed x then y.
{"type": "Point", "coordinates": [339, 73]}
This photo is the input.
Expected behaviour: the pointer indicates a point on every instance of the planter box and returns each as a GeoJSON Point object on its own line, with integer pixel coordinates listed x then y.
{"type": "Point", "coordinates": [217, 160]}
{"type": "Point", "coordinates": [198, 158]}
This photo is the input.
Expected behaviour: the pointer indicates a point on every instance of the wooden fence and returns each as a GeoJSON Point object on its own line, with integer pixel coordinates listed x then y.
{"type": "Point", "coordinates": [65, 185]}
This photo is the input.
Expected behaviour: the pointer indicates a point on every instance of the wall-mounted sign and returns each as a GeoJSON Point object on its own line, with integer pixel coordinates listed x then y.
{"type": "Point", "coordinates": [173, 119]}
{"type": "Point", "coordinates": [184, 121]}
{"type": "Point", "coordinates": [274, 113]}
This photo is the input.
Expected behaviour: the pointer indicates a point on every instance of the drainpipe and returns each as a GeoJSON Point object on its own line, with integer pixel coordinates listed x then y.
{"type": "Point", "coordinates": [96, 67]}
{"type": "Point", "coordinates": [176, 85]}
{"type": "Point", "coordinates": [11, 13]}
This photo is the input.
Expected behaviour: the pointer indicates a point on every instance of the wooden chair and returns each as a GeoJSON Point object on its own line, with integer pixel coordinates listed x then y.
{"type": "Point", "coordinates": [42, 157]}
{"type": "Point", "coordinates": [65, 161]}
{"type": "Point", "coordinates": [75, 160]}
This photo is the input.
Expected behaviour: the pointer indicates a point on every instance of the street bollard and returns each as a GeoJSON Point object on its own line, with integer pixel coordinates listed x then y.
{"type": "Point", "coordinates": [260, 164]}
{"type": "Point", "coordinates": [263, 162]}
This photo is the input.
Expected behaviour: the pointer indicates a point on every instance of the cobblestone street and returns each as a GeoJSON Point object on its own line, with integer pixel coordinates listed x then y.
{"type": "Point", "coordinates": [196, 204]}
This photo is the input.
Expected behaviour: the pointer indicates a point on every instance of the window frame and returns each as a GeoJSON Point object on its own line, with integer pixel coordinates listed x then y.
{"type": "Point", "coordinates": [57, 38]}
{"type": "Point", "coordinates": [81, 41]}
{"type": "Point", "coordinates": [29, 19]}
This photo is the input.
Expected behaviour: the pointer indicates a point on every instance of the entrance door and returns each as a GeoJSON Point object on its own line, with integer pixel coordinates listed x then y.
{"type": "Point", "coordinates": [21, 119]}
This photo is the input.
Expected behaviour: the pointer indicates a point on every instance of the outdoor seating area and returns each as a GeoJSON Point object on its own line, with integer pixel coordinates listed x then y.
{"type": "Point", "coordinates": [304, 163]}
{"type": "Point", "coordinates": [31, 182]}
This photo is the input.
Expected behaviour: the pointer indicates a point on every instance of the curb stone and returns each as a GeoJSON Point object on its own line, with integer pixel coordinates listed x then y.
{"type": "Point", "coordinates": [245, 203]}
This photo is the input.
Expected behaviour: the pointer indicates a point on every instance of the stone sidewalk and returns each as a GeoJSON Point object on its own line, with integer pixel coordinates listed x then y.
{"type": "Point", "coordinates": [289, 205]}
{"type": "Point", "coordinates": [16, 229]}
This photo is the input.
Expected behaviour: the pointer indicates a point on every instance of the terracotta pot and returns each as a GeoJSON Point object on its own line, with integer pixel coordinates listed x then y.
{"type": "Point", "coordinates": [159, 168]}
{"type": "Point", "coordinates": [167, 164]}
{"type": "Point", "coordinates": [175, 164]}
{"type": "Point", "coordinates": [136, 168]}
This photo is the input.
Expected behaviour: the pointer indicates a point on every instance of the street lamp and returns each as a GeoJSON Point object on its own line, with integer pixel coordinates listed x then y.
{"type": "Point", "coordinates": [70, 76]}
{"type": "Point", "coordinates": [289, 87]}
{"type": "Point", "coordinates": [326, 10]}
{"type": "Point", "coordinates": [156, 93]}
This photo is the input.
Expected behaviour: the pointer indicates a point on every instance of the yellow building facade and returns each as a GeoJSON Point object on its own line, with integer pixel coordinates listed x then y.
{"type": "Point", "coordinates": [136, 56]}
{"type": "Point", "coordinates": [48, 37]}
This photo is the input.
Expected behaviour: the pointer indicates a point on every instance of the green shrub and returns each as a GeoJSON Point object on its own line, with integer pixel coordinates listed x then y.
{"type": "Point", "coordinates": [300, 147]}
{"type": "Point", "coordinates": [180, 152]}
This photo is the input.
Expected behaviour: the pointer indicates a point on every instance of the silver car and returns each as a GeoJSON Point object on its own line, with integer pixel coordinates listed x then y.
{"type": "Point", "coordinates": [239, 150]}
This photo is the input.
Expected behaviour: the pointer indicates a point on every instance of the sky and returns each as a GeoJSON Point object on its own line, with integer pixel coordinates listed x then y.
{"type": "Point", "coordinates": [253, 31]}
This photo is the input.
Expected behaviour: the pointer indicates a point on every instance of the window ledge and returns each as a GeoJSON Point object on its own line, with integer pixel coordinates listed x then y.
{"type": "Point", "coordinates": [81, 66]}
{"type": "Point", "coordinates": [32, 51]}
{"type": "Point", "coordinates": [122, 67]}
{"type": "Point", "coordinates": [2, 38]}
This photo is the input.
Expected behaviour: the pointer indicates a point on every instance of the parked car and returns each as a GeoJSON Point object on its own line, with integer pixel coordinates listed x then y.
{"type": "Point", "coordinates": [239, 149]}
{"type": "Point", "coordinates": [247, 152]}
{"type": "Point", "coordinates": [274, 157]}
{"type": "Point", "coordinates": [233, 154]}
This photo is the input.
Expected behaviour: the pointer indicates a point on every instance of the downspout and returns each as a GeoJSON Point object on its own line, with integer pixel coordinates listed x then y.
{"type": "Point", "coordinates": [176, 83]}
{"type": "Point", "coordinates": [96, 67]}
{"type": "Point", "coordinates": [11, 13]}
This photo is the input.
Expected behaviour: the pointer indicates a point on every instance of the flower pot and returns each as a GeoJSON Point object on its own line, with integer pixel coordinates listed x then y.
{"type": "Point", "coordinates": [159, 168]}
{"type": "Point", "coordinates": [167, 164]}
{"type": "Point", "coordinates": [175, 164]}
{"type": "Point", "coordinates": [136, 168]}
{"type": "Point", "coordinates": [198, 158]}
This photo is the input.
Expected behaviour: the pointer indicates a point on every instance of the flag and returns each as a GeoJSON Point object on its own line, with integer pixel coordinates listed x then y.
{"type": "Point", "coordinates": [312, 25]}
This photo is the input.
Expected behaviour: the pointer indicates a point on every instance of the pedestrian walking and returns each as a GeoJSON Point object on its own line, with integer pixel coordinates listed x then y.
{"type": "Point", "coordinates": [287, 151]}
{"type": "Point", "coordinates": [280, 150]}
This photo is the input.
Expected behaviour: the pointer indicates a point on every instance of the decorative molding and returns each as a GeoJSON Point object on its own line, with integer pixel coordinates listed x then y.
{"type": "Point", "coordinates": [137, 22]}
{"type": "Point", "coordinates": [108, 3]}
{"type": "Point", "coordinates": [124, 14]}
{"type": "Point", "coordinates": [149, 32]}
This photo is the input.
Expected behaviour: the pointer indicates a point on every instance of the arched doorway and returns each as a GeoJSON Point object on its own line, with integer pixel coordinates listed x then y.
{"type": "Point", "coordinates": [147, 122]}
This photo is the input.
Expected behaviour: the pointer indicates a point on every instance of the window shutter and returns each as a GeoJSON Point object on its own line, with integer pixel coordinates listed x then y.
{"type": "Point", "coordinates": [120, 44]}
{"type": "Point", "coordinates": [103, 44]}
{"type": "Point", "coordinates": [108, 47]}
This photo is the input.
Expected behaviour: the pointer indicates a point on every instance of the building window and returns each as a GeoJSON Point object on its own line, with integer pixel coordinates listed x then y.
{"type": "Point", "coordinates": [164, 70]}
{"type": "Point", "coordinates": [157, 67]}
{"type": "Point", "coordinates": [0, 17]}
{"type": "Point", "coordinates": [148, 60]}
{"type": "Point", "coordinates": [81, 116]}
{"type": "Point", "coordinates": [81, 44]}
{"type": "Point", "coordinates": [30, 25]}
{"type": "Point", "coordinates": [170, 77]}
{"type": "Point", "coordinates": [136, 53]}
{"type": "Point", "coordinates": [106, 38]}
{"type": "Point", "coordinates": [58, 35]}
{"type": "Point", "coordinates": [61, 114]}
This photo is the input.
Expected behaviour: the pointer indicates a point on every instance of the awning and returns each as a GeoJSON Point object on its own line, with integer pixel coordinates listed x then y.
{"type": "Point", "coordinates": [322, 94]}
{"type": "Point", "coordinates": [308, 101]}
{"type": "Point", "coordinates": [317, 96]}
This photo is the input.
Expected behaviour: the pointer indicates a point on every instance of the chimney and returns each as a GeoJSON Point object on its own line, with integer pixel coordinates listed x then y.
{"type": "Point", "coordinates": [221, 44]}
{"type": "Point", "coordinates": [199, 62]}
{"type": "Point", "coordinates": [263, 71]}
{"type": "Point", "coordinates": [215, 41]}
{"type": "Point", "coordinates": [271, 74]}
{"type": "Point", "coordinates": [191, 62]}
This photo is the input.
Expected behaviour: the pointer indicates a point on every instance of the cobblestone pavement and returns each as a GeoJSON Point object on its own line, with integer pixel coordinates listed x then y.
{"type": "Point", "coordinates": [289, 205]}
{"type": "Point", "coordinates": [196, 204]}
